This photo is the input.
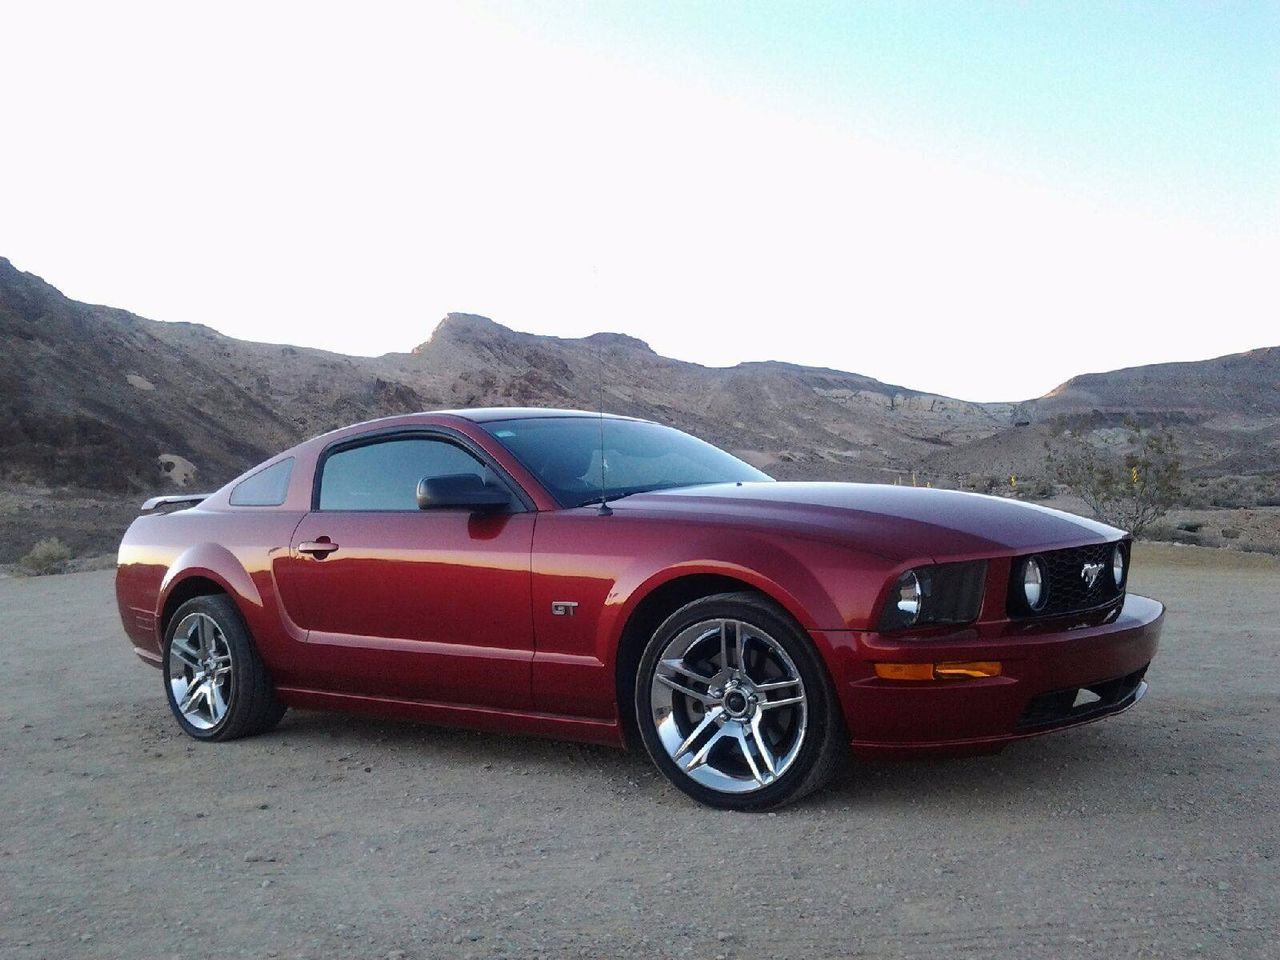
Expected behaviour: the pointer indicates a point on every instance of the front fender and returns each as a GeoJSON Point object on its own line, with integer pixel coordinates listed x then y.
{"type": "Point", "coordinates": [824, 587]}
{"type": "Point", "coordinates": [631, 591]}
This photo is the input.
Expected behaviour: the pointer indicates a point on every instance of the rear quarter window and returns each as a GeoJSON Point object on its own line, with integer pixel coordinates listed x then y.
{"type": "Point", "coordinates": [266, 488]}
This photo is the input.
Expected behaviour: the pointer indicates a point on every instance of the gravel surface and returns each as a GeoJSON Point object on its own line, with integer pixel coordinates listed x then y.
{"type": "Point", "coordinates": [1152, 834]}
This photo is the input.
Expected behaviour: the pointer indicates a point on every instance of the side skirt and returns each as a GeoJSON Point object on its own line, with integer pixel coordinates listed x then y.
{"type": "Point", "coordinates": [605, 732]}
{"type": "Point", "coordinates": [149, 657]}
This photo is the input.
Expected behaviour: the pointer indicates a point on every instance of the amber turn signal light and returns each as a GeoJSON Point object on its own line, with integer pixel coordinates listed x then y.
{"type": "Point", "coordinates": [960, 670]}
{"type": "Point", "coordinates": [952, 670]}
{"type": "Point", "coordinates": [904, 671]}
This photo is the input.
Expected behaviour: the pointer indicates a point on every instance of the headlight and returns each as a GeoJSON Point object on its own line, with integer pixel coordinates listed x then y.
{"type": "Point", "coordinates": [1033, 588]}
{"type": "Point", "coordinates": [940, 593]}
{"type": "Point", "coordinates": [1117, 566]}
{"type": "Point", "coordinates": [910, 598]}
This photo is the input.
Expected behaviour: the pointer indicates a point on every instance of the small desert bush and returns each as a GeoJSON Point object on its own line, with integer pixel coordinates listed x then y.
{"type": "Point", "coordinates": [1130, 490]}
{"type": "Point", "coordinates": [1229, 492]}
{"type": "Point", "coordinates": [1163, 532]}
{"type": "Point", "coordinates": [50, 555]}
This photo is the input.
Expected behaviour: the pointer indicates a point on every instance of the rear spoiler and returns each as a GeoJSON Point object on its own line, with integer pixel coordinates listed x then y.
{"type": "Point", "coordinates": [171, 504]}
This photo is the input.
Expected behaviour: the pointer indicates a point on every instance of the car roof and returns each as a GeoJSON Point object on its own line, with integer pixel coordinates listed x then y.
{"type": "Point", "coordinates": [477, 415]}
{"type": "Point", "coordinates": [490, 414]}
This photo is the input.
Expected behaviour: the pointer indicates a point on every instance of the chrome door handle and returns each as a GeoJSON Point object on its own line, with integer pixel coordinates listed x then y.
{"type": "Point", "coordinates": [318, 548]}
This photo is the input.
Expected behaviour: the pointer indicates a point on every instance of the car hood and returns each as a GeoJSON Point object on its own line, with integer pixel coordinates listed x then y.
{"type": "Point", "coordinates": [899, 523]}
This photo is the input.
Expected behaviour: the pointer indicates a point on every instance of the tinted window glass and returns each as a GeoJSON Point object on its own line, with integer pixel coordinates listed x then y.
{"type": "Point", "coordinates": [266, 488]}
{"type": "Point", "coordinates": [565, 454]}
{"type": "Point", "coordinates": [385, 475]}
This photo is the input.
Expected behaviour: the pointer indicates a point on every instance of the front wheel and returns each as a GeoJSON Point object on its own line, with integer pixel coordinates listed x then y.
{"type": "Point", "coordinates": [734, 704]}
{"type": "Point", "coordinates": [214, 680]}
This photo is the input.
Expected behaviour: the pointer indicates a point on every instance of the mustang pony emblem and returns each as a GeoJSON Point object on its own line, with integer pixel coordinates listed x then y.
{"type": "Point", "coordinates": [1090, 572]}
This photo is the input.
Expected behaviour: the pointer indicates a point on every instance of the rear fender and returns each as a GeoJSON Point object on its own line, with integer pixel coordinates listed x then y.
{"type": "Point", "coordinates": [213, 562]}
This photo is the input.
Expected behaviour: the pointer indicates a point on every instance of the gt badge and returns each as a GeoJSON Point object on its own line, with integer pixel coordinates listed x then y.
{"type": "Point", "coordinates": [565, 608]}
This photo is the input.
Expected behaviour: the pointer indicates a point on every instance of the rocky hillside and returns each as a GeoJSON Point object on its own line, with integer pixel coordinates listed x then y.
{"type": "Point", "coordinates": [99, 398]}
{"type": "Point", "coordinates": [1240, 386]}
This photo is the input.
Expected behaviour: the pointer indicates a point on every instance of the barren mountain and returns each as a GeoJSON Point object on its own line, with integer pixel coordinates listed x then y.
{"type": "Point", "coordinates": [98, 398]}
{"type": "Point", "coordinates": [1238, 386]}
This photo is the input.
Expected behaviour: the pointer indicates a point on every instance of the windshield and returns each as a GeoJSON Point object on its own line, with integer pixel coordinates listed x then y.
{"type": "Point", "coordinates": [564, 454]}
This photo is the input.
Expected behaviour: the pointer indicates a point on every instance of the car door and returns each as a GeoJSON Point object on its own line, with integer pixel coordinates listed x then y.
{"type": "Point", "coordinates": [408, 603]}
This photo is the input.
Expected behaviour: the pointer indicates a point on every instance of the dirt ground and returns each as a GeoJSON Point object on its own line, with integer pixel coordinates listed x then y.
{"type": "Point", "coordinates": [1153, 834]}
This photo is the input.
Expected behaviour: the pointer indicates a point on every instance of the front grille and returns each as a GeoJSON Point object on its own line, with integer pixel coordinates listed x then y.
{"type": "Point", "coordinates": [1066, 589]}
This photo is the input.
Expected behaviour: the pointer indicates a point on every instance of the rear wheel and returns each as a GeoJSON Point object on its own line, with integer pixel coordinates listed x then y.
{"type": "Point", "coordinates": [214, 680]}
{"type": "Point", "coordinates": [734, 704]}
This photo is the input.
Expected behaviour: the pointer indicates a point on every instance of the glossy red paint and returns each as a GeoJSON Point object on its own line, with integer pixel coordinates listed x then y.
{"type": "Point", "coordinates": [415, 605]}
{"type": "Point", "coordinates": [447, 616]}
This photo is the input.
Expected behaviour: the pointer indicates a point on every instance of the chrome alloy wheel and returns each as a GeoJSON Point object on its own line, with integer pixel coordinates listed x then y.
{"type": "Point", "coordinates": [728, 705]}
{"type": "Point", "coordinates": [200, 671]}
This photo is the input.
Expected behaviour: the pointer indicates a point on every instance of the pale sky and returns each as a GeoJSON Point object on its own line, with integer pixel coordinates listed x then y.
{"type": "Point", "coordinates": [976, 199]}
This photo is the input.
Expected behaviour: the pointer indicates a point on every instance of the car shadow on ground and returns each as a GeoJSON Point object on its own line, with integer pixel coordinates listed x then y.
{"type": "Point", "coordinates": [1081, 765]}
{"type": "Point", "coordinates": [1080, 768]}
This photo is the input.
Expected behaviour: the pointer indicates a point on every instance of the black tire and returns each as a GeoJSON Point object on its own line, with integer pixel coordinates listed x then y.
{"type": "Point", "coordinates": [825, 744]}
{"type": "Point", "coordinates": [252, 705]}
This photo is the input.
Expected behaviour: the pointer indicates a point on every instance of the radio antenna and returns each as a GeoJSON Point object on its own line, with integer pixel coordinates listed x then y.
{"type": "Point", "coordinates": [605, 510]}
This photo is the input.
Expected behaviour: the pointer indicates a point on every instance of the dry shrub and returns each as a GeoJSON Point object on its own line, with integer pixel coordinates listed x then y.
{"type": "Point", "coordinates": [1130, 490]}
{"type": "Point", "coordinates": [48, 556]}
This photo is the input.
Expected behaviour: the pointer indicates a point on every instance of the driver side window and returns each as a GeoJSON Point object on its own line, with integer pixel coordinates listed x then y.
{"type": "Point", "coordinates": [384, 475]}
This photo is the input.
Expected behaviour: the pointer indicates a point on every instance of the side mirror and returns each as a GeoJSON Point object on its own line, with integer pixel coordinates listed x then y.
{"type": "Point", "coordinates": [457, 491]}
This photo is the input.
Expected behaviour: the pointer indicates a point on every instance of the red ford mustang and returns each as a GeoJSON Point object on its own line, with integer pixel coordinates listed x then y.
{"type": "Point", "coordinates": [610, 579]}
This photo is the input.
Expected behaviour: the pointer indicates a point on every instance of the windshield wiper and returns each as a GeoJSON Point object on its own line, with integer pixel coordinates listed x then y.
{"type": "Point", "coordinates": [618, 495]}
{"type": "Point", "coordinates": [597, 499]}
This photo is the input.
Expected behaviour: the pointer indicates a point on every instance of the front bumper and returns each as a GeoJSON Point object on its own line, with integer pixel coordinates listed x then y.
{"type": "Point", "coordinates": [1045, 666]}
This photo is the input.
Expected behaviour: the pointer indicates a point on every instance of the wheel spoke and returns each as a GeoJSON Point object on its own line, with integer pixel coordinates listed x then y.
{"type": "Point", "coordinates": [772, 704]}
{"type": "Point", "coordinates": [701, 756]}
{"type": "Point", "coordinates": [217, 703]}
{"type": "Point", "coordinates": [777, 685]}
{"type": "Point", "coordinates": [740, 647]}
{"type": "Point", "coordinates": [205, 634]}
{"type": "Point", "coordinates": [687, 691]}
{"type": "Point", "coordinates": [194, 693]}
{"type": "Point", "coordinates": [765, 753]}
{"type": "Point", "coordinates": [677, 666]}
{"type": "Point", "coordinates": [724, 644]}
{"type": "Point", "coordinates": [707, 721]}
{"type": "Point", "coordinates": [746, 753]}
{"type": "Point", "coordinates": [188, 657]}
